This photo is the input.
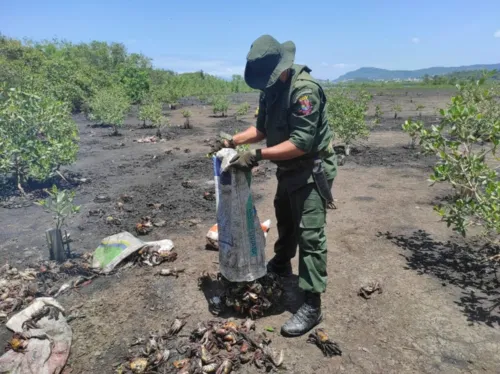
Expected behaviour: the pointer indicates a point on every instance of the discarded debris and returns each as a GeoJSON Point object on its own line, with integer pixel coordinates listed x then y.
{"type": "Point", "coordinates": [321, 339]}
{"type": "Point", "coordinates": [214, 347]}
{"type": "Point", "coordinates": [19, 288]}
{"type": "Point", "coordinates": [156, 206]}
{"type": "Point", "coordinates": [113, 221]}
{"type": "Point", "coordinates": [147, 139]}
{"type": "Point", "coordinates": [102, 198]}
{"type": "Point", "coordinates": [145, 226]}
{"type": "Point", "coordinates": [153, 255]}
{"type": "Point", "coordinates": [210, 196]}
{"type": "Point", "coordinates": [41, 341]}
{"type": "Point", "coordinates": [126, 198]}
{"type": "Point", "coordinates": [187, 184]}
{"type": "Point", "coordinates": [150, 355]}
{"type": "Point", "coordinates": [366, 290]}
{"type": "Point", "coordinates": [116, 248]}
{"type": "Point", "coordinates": [96, 212]}
{"type": "Point", "coordinates": [167, 272]}
{"type": "Point", "coordinates": [63, 288]}
{"type": "Point", "coordinates": [160, 223]}
{"type": "Point", "coordinates": [247, 298]}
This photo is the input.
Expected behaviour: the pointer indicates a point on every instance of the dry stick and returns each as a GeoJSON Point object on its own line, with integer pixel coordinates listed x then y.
{"type": "Point", "coordinates": [62, 176]}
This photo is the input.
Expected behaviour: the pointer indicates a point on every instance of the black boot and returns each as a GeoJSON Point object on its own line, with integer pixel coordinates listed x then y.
{"type": "Point", "coordinates": [283, 269]}
{"type": "Point", "coordinates": [308, 316]}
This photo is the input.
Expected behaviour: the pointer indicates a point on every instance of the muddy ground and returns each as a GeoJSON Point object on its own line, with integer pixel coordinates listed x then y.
{"type": "Point", "coordinates": [439, 308]}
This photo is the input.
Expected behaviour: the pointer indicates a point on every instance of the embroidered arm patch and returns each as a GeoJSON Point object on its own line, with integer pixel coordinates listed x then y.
{"type": "Point", "coordinates": [304, 106]}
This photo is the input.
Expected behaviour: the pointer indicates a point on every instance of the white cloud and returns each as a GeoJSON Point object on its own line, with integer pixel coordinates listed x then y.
{"type": "Point", "coordinates": [415, 40]}
{"type": "Point", "coordinates": [219, 68]}
{"type": "Point", "coordinates": [340, 66]}
{"type": "Point", "coordinates": [336, 66]}
{"type": "Point", "coordinates": [497, 34]}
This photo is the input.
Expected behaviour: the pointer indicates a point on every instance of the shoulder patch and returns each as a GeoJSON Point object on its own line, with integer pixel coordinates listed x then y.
{"type": "Point", "coordinates": [302, 92]}
{"type": "Point", "coordinates": [304, 105]}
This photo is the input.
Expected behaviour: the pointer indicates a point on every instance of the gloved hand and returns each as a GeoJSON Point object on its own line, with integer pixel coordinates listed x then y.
{"type": "Point", "coordinates": [225, 141]}
{"type": "Point", "coordinates": [246, 161]}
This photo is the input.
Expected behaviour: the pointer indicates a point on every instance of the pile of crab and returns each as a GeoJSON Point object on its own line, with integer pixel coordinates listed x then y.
{"type": "Point", "coordinates": [18, 288]}
{"type": "Point", "coordinates": [219, 346]}
{"type": "Point", "coordinates": [251, 299]}
{"type": "Point", "coordinates": [153, 255]}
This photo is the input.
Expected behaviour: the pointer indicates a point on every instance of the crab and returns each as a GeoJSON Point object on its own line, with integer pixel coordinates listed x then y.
{"type": "Point", "coordinates": [50, 311]}
{"type": "Point", "coordinates": [17, 343]}
{"type": "Point", "coordinates": [327, 346]}
{"type": "Point", "coordinates": [145, 226]}
{"type": "Point", "coordinates": [371, 287]}
{"type": "Point", "coordinates": [176, 326]}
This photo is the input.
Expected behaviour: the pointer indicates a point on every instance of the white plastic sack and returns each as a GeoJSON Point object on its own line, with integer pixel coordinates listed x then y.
{"type": "Point", "coordinates": [48, 346]}
{"type": "Point", "coordinates": [240, 236]}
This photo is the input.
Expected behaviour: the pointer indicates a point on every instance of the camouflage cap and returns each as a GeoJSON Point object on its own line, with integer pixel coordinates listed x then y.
{"type": "Point", "coordinates": [266, 60]}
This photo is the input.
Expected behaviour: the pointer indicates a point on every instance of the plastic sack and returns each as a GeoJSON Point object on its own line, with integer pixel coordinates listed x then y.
{"type": "Point", "coordinates": [115, 248]}
{"type": "Point", "coordinates": [240, 237]}
{"type": "Point", "coordinates": [213, 233]}
{"type": "Point", "coordinates": [47, 347]}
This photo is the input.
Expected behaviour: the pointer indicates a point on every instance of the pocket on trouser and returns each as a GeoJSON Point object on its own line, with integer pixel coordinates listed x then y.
{"type": "Point", "coordinates": [312, 242]}
{"type": "Point", "coordinates": [313, 210]}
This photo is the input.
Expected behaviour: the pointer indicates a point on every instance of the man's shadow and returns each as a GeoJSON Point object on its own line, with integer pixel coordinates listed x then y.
{"type": "Point", "coordinates": [290, 300]}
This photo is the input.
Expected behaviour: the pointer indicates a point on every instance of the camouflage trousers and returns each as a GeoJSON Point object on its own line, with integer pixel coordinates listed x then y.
{"type": "Point", "coordinates": [301, 217]}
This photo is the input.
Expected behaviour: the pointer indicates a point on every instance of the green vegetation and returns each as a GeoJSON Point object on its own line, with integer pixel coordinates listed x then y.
{"type": "Point", "coordinates": [346, 114]}
{"type": "Point", "coordinates": [186, 114]}
{"type": "Point", "coordinates": [220, 104]}
{"type": "Point", "coordinates": [466, 143]}
{"type": "Point", "coordinates": [59, 203]}
{"type": "Point", "coordinates": [378, 114]}
{"type": "Point", "coordinates": [37, 136]}
{"type": "Point", "coordinates": [151, 111]}
{"type": "Point", "coordinates": [243, 109]}
{"type": "Point", "coordinates": [413, 129]}
{"type": "Point", "coordinates": [110, 106]}
{"type": "Point", "coordinates": [419, 109]}
{"type": "Point", "coordinates": [51, 78]}
{"type": "Point", "coordinates": [397, 109]}
{"type": "Point", "coordinates": [74, 73]}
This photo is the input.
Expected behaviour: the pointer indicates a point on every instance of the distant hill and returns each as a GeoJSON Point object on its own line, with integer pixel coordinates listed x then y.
{"type": "Point", "coordinates": [367, 74]}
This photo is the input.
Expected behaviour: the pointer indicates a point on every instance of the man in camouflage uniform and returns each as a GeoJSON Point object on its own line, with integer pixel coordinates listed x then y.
{"type": "Point", "coordinates": [292, 119]}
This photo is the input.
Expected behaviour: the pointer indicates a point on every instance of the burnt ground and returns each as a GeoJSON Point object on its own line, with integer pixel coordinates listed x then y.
{"type": "Point", "coordinates": [439, 308]}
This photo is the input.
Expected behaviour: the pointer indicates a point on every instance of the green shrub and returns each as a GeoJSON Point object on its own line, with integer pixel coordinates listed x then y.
{"type": "Point", "coordinates": [346, 114]}
{"type": "Point", "coordinates": [60, 204]}
{"type": "Point", "coordinates": [37, 135]}
{"type": "Point", "coordinates": [378, 114]}
{"type": "Point", "coordinates": [110, 106]}
{"type": "Point", "coordinates": [186, 114]}
{"type": "Point", "coordinates": [413, 129]}
{"type": "Point", "coordinates": [419, 109]}
{"type": "Point", "coordinates": [466, 143]}
{"type": "Point", "coordinates": [220, 105]}
{"type": "Point", "coordinates": [152, 112]}
{"type": "Point", "coordinates": [397, 109]}
{"type": "Point", "coordinates": [242, 109]}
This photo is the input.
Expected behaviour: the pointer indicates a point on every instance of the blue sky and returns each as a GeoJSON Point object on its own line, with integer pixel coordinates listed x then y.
{"type": "Point", "coordinates": [215, 35]}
